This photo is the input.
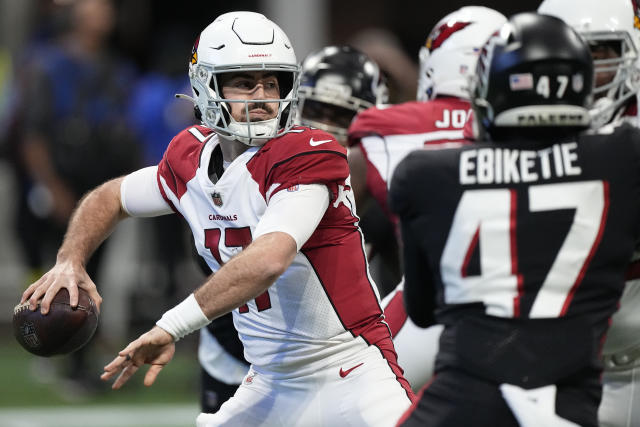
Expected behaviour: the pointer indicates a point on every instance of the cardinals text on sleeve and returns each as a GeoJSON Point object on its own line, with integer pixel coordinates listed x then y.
{"type": "Point", "coordinates": [495, 165]}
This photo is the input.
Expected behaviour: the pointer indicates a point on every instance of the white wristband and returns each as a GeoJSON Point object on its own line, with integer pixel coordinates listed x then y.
{"type": "Point", "coordinates": [184, 318]}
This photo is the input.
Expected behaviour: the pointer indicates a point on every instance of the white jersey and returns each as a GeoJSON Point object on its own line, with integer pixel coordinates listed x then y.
{"type": "Point", "coordinates": [387, 135]}
{"type": "Point", "coordinates": [324, 307]}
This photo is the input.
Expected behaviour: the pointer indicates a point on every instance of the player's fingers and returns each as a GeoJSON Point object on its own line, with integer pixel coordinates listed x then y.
{"type": "Point", "coordinates": [112, 368]}
{"type": "Point", "coordinates": [124, 376]}
{"type": "Point", "coordinates": [32, 287]}
{"type": "Point", "coordinates": [37, 294]}
{"type": "Point", "coordinates": [122, 357]}
{"type": "Point", "coordinates": [50, 293]}
{"type": "Point", "coordinates": [152, 374]}
{"type": "Point", "coordinates": [109, 373]}
{"type": "Point", "coordinates": [92, 290]}
{"type": "Point", "coordinates": [73, 295]}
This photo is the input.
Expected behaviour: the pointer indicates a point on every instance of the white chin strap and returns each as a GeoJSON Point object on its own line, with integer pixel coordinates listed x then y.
{"type": "Point", "coordinates": [253, 133]}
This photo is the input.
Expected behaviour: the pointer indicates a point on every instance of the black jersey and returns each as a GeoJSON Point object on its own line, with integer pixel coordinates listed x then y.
{"type": "Point", "coordinates": [520, 249]}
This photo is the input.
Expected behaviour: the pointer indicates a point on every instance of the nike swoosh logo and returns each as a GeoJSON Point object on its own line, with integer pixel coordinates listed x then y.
{"type": "Point", "coordinates": [316, 143]}
{"type": "Point", "coordinates": [348, 371]}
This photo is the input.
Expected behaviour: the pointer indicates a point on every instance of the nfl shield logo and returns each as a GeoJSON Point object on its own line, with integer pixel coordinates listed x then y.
{"type": "Point", "coordinates": [30, 335]}
{"type": "Point", "coordinates": [217, 199]}
{"type": "Point", "coordinates": [577, 82]}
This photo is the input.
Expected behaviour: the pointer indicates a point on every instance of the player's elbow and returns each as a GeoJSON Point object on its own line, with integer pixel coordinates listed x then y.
{"type": "Point", "coordinates": [421, 317]}
{"type": "Point", "coordinates": [274, 266]}
{"type": "Point", "coordinates": [275, 253]}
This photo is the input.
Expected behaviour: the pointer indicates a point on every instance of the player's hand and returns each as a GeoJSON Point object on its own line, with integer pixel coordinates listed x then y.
{"type": "Point", "coordinates": [64, 274]}
{"type": "Point", "coordinates": [155, 348]}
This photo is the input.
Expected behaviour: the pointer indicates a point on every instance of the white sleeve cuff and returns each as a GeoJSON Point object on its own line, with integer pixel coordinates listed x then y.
{"type": "Point", "coordinates": [296, 213]}
{"type": "Point", "coordinates": [184, 318]}
{"type": "Point", "coordinates": [140, 195]}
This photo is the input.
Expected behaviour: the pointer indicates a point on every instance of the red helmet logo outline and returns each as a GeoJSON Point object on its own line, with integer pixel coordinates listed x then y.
{"type": "Point", "coordinates": [194, 51]}
{"type": "Point", "coordinates": [443, 32]}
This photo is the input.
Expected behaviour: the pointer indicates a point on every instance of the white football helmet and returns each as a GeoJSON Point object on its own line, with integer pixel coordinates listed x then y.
{"type": "Point", "coordinates": [235, 42]}
{"type": "Point", "coordinates": [612, 23]}
{"type": "Point", "coordinates": [448, 58]}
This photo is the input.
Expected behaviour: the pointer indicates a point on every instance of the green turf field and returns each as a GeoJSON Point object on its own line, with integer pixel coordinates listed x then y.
{"type": "Point", "coordinates": [19, 370]}
{"type": "Point", "coordinates": [32, 395]}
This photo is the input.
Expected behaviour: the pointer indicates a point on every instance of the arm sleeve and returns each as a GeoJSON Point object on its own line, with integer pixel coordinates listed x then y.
{"type": "Point", "coordinates": [419, 286]}
{"type": "Point", "coordinates": [296, 213]}
{"type": "Point", "coordinates": [140, 195]}
{"type": "Point", "coordinates": [419, 291]}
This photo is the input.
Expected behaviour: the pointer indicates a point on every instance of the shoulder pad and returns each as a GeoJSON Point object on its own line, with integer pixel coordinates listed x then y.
{"type": "Point", "coordinates": [297, 141]}
{"type": "Point", "coordinates": [305, 156]}
{"type": "Point", "coordinates": [403, 119]}
{"type": "Point", "coordinates": [182, 157]}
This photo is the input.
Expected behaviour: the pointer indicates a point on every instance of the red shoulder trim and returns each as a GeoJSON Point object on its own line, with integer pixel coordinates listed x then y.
{"type": "Point", "coordinates": [305, 156]}
{"type": "Point", "coordinates": [181, 160]}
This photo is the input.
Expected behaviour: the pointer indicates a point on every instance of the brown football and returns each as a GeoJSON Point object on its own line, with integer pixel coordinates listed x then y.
{"type": "Point", "coordinates": [63, 330]}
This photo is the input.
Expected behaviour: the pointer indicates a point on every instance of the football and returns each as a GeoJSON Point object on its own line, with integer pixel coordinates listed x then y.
{"type": "Point", "coordinates": [63, 330]}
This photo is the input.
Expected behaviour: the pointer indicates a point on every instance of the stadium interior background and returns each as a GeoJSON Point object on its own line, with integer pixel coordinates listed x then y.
{"type": "Point", "coordinates": [156, 37]}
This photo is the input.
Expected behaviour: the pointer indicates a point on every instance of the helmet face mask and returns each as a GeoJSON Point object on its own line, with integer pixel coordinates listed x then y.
{"type": "Point", "coordinates": [327, 115]}
{"type": "Point", "coordinates": [612, 29]}
{"type": "Point", "coordinates": [247, 43]}
{"type": "Point", "coordinates": [336, 84]}
{"type": "Point", "coordinates": [617, 76]}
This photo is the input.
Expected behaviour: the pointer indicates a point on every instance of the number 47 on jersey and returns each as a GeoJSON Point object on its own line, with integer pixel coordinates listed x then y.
{"type": "Point", "coordinates": [488, 218]}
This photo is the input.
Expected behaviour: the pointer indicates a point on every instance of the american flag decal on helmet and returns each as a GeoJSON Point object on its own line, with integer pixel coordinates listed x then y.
{"type": "Point", "coordinates": [442, 33]}
{"type": "Point", "coordinates": [194, 51]}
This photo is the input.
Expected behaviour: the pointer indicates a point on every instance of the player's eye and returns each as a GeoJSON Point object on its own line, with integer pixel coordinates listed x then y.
{"type": "Point", "coordinates": [244, 84]}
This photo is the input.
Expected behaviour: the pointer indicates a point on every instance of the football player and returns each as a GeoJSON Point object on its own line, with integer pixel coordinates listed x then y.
{"type": "Point", "coordinates": [380, 138]}
{"type": "Point", "coordinates": [336, 83]}
{"type": "Point", "coordinates": [518, 243]}
{"type": "Point", "coordinates": [612, 31]}
{"type": "Point", "coordinates": [272, 214]}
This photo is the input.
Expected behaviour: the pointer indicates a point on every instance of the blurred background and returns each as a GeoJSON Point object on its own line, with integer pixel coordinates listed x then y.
{"type": "Point", "coordinates": [86, 94]}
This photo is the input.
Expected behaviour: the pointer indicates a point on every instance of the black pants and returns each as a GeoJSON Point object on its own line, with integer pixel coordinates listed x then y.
{"type": "Point", "coordinates": [214, 393]}
{"type": "Point", "coordinates": [454, 398]}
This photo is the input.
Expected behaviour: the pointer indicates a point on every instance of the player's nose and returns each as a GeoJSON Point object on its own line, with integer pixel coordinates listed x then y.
{"type": "Point", "coordinates": [259, 92]}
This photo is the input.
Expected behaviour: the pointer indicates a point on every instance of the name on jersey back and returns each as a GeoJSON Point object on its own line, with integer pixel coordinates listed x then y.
{"type": "Point", "coordinates": [495, 165]}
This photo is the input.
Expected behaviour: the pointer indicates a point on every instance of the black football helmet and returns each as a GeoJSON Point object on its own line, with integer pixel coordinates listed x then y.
{"type": "Point", "coordinates": [535, 72]}
{"type": "Point", "coordinates": [336, 83]}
